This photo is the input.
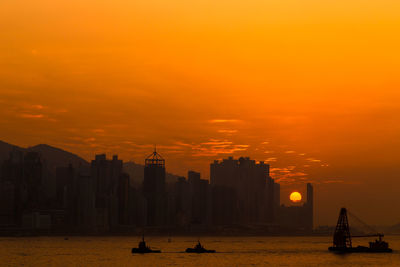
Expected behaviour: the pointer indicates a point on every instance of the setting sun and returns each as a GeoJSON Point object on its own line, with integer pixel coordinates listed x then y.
{"type": "Point", "coordinates": [295, 197]}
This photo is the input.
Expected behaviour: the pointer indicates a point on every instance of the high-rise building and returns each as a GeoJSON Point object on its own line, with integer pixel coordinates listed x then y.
{"type": "Point", "coordinates": [123, 199]}
{"type": "Point", "coordinates": [24, 171]}
{"type": "Point", "coordinates": [154, 189]}
{"type": "Point", "coordinates": [85, 209]}
{"type": "Point", "coordinates": [33, 177]}
{"type": "Point", "coordinates": [65, 177]}
{"type": "Point", "coordinates": [105, 175]}
{"type": "Point", "coordinates": [224, 208]}
{"type": "Point", "coordinates": [199, 201]}
{"type": "Point", "coordinates": [310, 206]}
{"type": "Point", "coordinates": [12, 173]}
{"type": "Point", "coordinates": [183, 202]}
{"type": "Point", "coordinates": [252, 185]}
{"type": "Point", "coordinates": [298, 218]}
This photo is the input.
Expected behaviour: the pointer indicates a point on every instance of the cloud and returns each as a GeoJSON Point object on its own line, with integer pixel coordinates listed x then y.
{"type": "Point", "coordinates": [31, 116]}
{"type": "Point", "coordinates": [214, 147]}
{"type": "Point", "coordinates": [313, 160]}
{"type": "Point", "coordinates": [222, 120]}
{"type": "Point", "coordinates": [98, 131]}
{"type": "Point", "coordinates": [227, 131]}
{"type": "Point", "coordinates": [278, 170]}
{"type": "Point", "coordinates": [290, 152]}
{"type": "Point", "coordinates": [179, 143]}
{"type": "Point", "coordinates": [37, 106]}
{"type": "Point", "coordinates": [287, 175]}
{"type": "Point", "coordinates": [333, 182]}
{"type": "Point", "coordinates": [271, 160]}
{"type": "Point", "coordinates": [217, 142]}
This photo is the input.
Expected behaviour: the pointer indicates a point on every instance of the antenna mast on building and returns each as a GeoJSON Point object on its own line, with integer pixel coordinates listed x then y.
{"type": "Point", "coordinates": [155, 159]}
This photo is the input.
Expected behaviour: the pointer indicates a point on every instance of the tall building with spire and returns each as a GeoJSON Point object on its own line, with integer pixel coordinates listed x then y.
{"type": "Point", "coordinates": [154, 189]}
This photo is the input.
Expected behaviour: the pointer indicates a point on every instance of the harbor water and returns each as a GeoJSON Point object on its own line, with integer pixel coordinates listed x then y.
{"type": "Point", "coordinates": [231, 251]}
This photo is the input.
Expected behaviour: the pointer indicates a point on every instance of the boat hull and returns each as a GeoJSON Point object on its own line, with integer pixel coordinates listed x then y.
{"type": "Point", "coordinates": [192, 250]}
{"type": "Point", "coordinates": [143, 251]}
{"type": "Point", "coordinates": [360, 249]}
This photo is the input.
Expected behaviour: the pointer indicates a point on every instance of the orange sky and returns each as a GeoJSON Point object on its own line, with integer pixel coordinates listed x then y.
{"type": "Point", "coordinates": [310, 86]}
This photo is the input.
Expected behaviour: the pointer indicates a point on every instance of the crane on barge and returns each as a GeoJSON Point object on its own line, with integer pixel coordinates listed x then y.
{"type": "Point", "coordinates": [342, 239]}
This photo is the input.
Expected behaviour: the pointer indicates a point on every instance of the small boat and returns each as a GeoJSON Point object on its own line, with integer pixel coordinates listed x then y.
{"type": "Point", "coordinates": [342, 242]}
{"type": "Point", "coordinates": [199, 249]}
{"type": "Point", "coordinates": [142, 248]}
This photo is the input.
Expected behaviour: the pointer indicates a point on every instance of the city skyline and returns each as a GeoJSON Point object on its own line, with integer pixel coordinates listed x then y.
{"type": "Point", "coordinates": [48, 189]}
{"type": "Point", "coordinates": [130, 127]}
{"type": "Point", "coordinates": [283, 195]}
{"type": "Point", "coordinates": [310, 86]}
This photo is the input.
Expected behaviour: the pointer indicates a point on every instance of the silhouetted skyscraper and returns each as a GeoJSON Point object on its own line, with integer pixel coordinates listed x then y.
{"type": "Point", "coordinates": [199, 201]}
{"type": "Point", "coordinates": [298, 218]}
{"type": "Point", "coordinates": [252, 185]}
{"type": "Point", "coordinates": [123, 199]}
{"type": "Point", "coordinates": [183, 200]}
{"type": "Point", "coordinates": [33, 177]}
{"type": "Point", "coordinates": [105, 175]}
{"type": "Point", "coordinates": [310, 206]}
{"type": "Point", "coordinates": [154, 189]}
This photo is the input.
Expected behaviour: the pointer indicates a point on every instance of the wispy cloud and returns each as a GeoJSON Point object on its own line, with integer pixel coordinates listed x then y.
{"type": "Point", "coordinates": [98, 131]}
{"type": "Point", "coordinates": [333, 181]}
{"type": "Point", "coordinates": [31, 116]}
{"type": "Point", "coordinates": [223, 120]}
{"type": "Point", "coordinates": [227, 131]}
{"type": "Point", "coordinates": [217, 142]}
{"type": "Point", "coordinates": [179, 143]}
{"type": "Point", "coordinates": [215, 147]}
{"type": "Point", "coordinates": [37, 106]}
{"type": "Point", "coordinates": [313, 160]}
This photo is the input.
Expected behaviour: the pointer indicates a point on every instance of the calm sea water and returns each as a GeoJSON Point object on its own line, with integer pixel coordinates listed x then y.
{"type": "Point", "coordinates": [231, 251]}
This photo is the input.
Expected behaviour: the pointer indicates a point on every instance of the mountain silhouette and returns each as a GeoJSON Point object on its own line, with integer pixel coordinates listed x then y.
{"type": "Point", "coordinates": [6, 148]}
{"type": "Point", "coordinates": [55, 157]}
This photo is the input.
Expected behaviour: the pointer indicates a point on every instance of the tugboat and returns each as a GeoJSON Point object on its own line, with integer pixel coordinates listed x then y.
{"type": "Point", "coordinates": [142, 248]}
{"type": "Point", "coordinates": [342, 239]}
{"type": "Point", "coordinates": [199, 249]}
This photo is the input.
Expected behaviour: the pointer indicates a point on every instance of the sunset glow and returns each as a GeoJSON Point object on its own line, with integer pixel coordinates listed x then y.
{"type": "Point", "coordinates": [295, 197]}
{"type": "Point", "coordinates": [309, 87]}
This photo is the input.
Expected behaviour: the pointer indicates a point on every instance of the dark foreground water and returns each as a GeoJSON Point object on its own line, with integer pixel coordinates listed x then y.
{"type": "Point", "coordinates": [231, 251]}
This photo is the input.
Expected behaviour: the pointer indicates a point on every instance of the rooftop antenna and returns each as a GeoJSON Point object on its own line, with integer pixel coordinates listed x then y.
{"type": "Point", "coordinates": [155, 158]}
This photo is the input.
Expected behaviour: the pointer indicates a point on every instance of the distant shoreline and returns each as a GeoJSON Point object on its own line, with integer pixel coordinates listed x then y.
{"type": "Point", "coordinates": [137, 234]}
